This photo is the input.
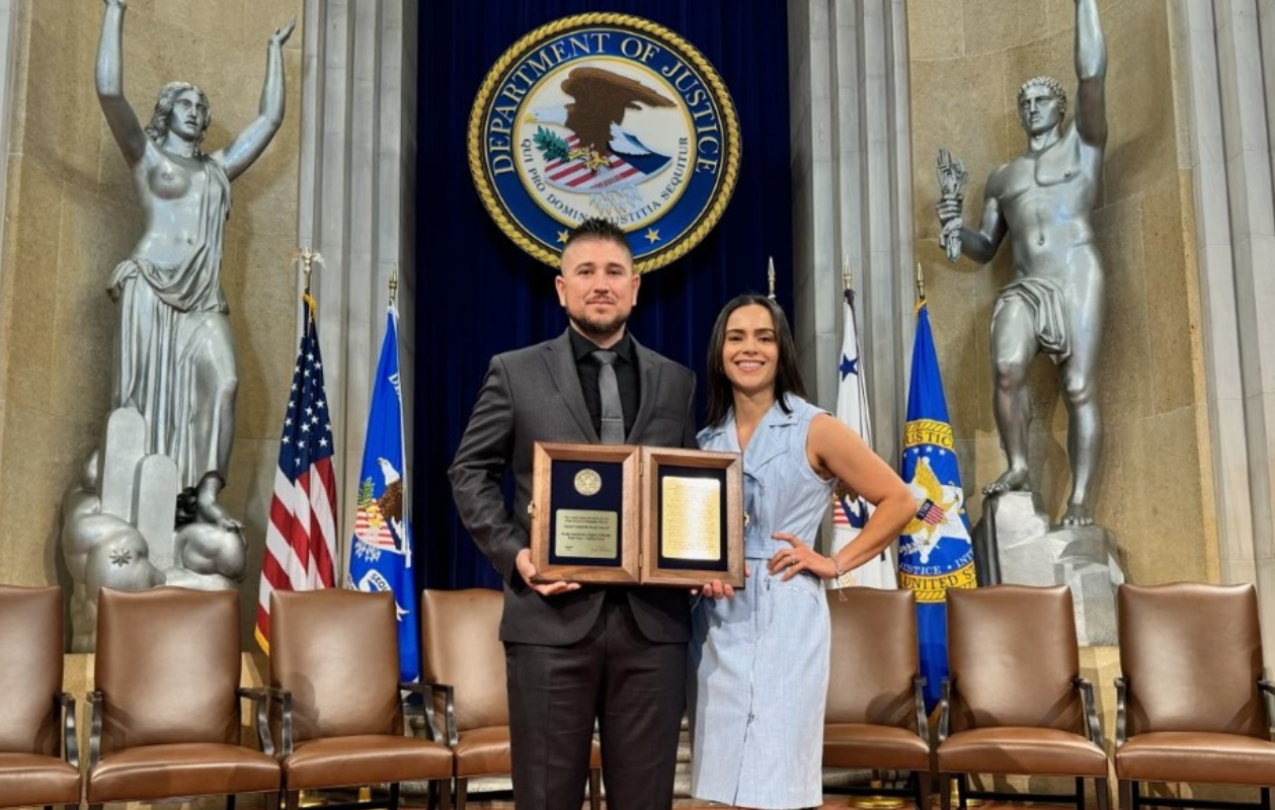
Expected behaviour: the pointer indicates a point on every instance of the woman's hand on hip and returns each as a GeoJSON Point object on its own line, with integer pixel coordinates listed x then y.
{"type": "Point", "coordinates": [801, 557]}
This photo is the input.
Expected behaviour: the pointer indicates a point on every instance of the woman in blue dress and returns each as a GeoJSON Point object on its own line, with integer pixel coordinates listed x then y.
{"type": "Point", "coordinates": [759, 661]}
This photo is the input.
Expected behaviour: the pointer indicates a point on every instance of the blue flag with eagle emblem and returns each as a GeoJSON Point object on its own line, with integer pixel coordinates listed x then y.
{"type": "Point", "coordinates": [381, 551]}
{"type": "Point", "coordinates": [935, 552]}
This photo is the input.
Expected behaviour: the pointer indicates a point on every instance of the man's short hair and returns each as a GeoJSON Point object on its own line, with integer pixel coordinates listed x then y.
{"type": "Point", "coordinates": [601, 229]}
{"type": "Point", "coordinates": [1049, 83]}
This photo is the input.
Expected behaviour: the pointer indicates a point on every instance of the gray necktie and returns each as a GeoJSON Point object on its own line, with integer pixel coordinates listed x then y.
{"type": "Point", "coordinates": [609, 392]}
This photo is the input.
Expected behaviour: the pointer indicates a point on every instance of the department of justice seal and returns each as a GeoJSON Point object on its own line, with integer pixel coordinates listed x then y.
{"type": "Point", "coordinates": [604, 115]}
{"type": "Point", "coordinates": [588, 482]}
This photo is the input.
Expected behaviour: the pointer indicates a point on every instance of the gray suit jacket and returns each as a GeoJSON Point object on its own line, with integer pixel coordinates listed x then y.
{"type": "Point", "coordinates": [533, 395]}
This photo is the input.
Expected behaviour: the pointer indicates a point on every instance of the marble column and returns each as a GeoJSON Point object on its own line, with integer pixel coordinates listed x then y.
{"type": "Point", "coordinates": [852, 196]}
{"type": "Point", "coordinates": [358, 165]}
{"type": "Point", "coordinates": [1227, 53]}
{"type": "Point", "coordinates": [9, 52]}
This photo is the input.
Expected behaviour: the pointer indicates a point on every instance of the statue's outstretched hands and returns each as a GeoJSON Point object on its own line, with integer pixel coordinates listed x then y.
{"type": "Point", "coordinates": [280, 36]}
{"type": "Point", "coordinates": [121, 4]}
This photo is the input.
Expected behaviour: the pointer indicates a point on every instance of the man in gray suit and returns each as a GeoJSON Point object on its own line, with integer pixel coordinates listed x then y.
{"type": "Point", "coordinates": [579, 653]}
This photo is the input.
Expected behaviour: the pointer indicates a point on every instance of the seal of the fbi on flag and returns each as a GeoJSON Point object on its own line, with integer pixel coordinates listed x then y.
{"type": "Point", "coordinates": [604, 115]}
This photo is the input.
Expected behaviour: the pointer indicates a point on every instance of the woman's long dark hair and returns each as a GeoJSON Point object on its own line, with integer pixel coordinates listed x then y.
{"type": "Point", "coordinates": [721, 397]}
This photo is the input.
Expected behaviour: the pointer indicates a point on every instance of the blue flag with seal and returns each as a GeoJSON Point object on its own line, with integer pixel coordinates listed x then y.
{"type": "Point", "coordinates": [935, 552]}
{"type": "Point", "coordinates": [381, 551]}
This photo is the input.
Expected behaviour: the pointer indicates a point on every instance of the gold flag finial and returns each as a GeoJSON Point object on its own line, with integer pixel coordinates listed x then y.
{"type": "Point", "coordinates": [308, 259]}
{"type": "Point", "coordinates": [847, 275]}
{"type": "Point", "coordinates": [920, 284]}
{"type": "Point", "coordinates": [770, 278]}
{"type": "Point", "coordinates": [394, 285]}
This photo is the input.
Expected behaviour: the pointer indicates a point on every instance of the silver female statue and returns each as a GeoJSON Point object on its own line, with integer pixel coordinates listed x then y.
{"type": "Point", "coordinates": [174, 358]}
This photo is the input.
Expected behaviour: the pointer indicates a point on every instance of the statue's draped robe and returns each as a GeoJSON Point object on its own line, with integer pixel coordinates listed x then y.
{"type": "Point", "coordinates": [174, 355]}
{"type": "Point", "coordinates": [1048, 306]}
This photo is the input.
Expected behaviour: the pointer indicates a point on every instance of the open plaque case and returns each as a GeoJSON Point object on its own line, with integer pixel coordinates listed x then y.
{"type": "Point", "coordinates": [620, 514]}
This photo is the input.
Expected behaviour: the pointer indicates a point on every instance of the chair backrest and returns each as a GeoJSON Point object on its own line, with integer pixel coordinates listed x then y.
{"type": "Point", "coordinates": [1192, 655]}
{"type": "Point", "coordinates": [460, 645]}
{"type": "Point", "coordinates": [30, 669]}
{"type": "Point", "coordinates": [1013, 658]}
{"type": "Point", "coordinates": [336, 651]}
{"type": "Point", "coordinates": [874, 657]}
{"type": "Point", "coordinates": [167, 665]}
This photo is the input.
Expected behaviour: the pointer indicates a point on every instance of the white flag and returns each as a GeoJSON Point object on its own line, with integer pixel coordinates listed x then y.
{"type": "Point", "coordinates": [849, 511]}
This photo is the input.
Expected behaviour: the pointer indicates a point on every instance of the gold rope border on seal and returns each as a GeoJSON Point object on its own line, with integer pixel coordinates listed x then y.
{"type": "Point", "coordinates": [726, 183]}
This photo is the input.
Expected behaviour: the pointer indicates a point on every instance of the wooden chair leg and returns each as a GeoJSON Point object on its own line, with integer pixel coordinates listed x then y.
{"type": "Point", "coordinates": [1266, 798]}
{"type": "Point", "coordinates": [230, 801]}
{"type": "Point", "coordinates": [272, 801]}
{"type": "Point", "coordinates": [1080, 793]}
{"type": "Point", "coordinates": [445, 788]}
{"type": "Point", "coordinates": [964, 781]}
{"type": "Point", "coordinates": [293, 799]}
{"type": "Point", "coordinates": [1135, 797]}
{"type": "Point", "coordinates": [462, 792]}
{"type": "Point", "coordinates": [595, 789]}
{"type": "Point", "coordinates": [1103, 791]}
{"type": "Point", "coordinates": [923, 790]}
{"type": "Point", "coordinates": [945, 791]}
{"type": "Point", "coordinates": [394, 796]}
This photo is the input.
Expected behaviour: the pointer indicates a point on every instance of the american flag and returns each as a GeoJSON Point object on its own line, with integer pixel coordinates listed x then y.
{"type": "Point", "coordinates": [931, 513]}
{"type": "Point", "coordinates": [301, 537]}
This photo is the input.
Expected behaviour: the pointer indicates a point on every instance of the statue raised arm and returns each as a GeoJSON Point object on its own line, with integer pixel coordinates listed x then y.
{"type": "Point", "coordinates": [174, 358]}
{"type": "Point", "coordinates": [1055, 305]}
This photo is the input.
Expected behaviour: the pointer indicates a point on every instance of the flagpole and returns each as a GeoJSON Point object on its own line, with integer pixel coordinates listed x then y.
{"type": "Point", "coordinates": [847, 275]}
{"type": "Point", "coordinates": [770, 278]}
{"type": "Point", "coordinates": [920, 285]}
{"type": "Point", "coordinates": [394, 286]}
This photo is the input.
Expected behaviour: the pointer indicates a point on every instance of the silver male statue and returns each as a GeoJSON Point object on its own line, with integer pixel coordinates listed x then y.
{"type": "Point", "coordinates": [174, 356]}
{"type": "Point", "coordinates": [1055, 304]}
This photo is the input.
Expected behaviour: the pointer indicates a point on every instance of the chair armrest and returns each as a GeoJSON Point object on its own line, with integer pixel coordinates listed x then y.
{"type": "Point", "coordinates": [96, 699]}
{"type": "Point", "coordinates": [452, 736]}
{"type": "Point", "coordinates": [1122, 709]}
{"type": "Point", "coordinates": [918, 697]}
{"type": "Point", "coordinates": [261, 717]}
{"type": "Point", "coordinates": [945, 708]}
{"type": "Point", "coordinates": [1093, 725]}
{"type": "Point", "coordinates": [1267, 688]}
{"type": "Point", "coordinates": [284, 698]}
{"type": "Point", "coordinates": [427, 693]}
{"type": "Point", "coordinates": [70, 745]}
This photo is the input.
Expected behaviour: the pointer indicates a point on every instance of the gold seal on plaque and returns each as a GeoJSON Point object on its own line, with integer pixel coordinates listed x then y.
{"type": "Point", "coordinates": [588, 482]}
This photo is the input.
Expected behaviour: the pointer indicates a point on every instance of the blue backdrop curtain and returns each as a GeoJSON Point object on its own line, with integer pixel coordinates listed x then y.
{"type": "Point", "coordinates": [478, 294]}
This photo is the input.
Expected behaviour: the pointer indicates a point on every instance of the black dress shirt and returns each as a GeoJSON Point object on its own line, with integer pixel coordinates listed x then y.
{"type": "Point", "coordinates": [626, 377]}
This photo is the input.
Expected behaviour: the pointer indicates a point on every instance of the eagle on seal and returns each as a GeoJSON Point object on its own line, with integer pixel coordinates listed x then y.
{"type": "Point", "coordinates": [595, 116]}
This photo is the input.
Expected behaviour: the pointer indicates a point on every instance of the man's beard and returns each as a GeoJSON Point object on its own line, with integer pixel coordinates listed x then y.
{"type": "Point", "coordinates": [593, 327]}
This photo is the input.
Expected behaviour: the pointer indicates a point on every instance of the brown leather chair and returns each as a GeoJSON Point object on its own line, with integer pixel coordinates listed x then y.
{"type": "Point", "coordinates": [875, 715]}
{"type": "Point", "coordinates": [464, 659]}
{"type": "Point", "coordinates": [1014, 701]}
{"type": "Point", "coordinates": [1191, 705]}
{"type": "Point", "coordinates": [38, 756]}
{"type": "Point", "coordinates": [334, 665]}
{"type": "Point", "coordinates": [166, 712]}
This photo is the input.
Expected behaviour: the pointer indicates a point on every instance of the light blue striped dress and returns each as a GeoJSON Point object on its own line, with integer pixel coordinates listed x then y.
{"type": "Point", "coordinates": [759, 662]}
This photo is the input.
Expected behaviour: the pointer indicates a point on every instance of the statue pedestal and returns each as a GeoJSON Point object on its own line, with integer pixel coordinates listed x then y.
{"type": "Point", "coordinates": [119, 529]}
{"type": "Point", "coordinates": [1015, 545]}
